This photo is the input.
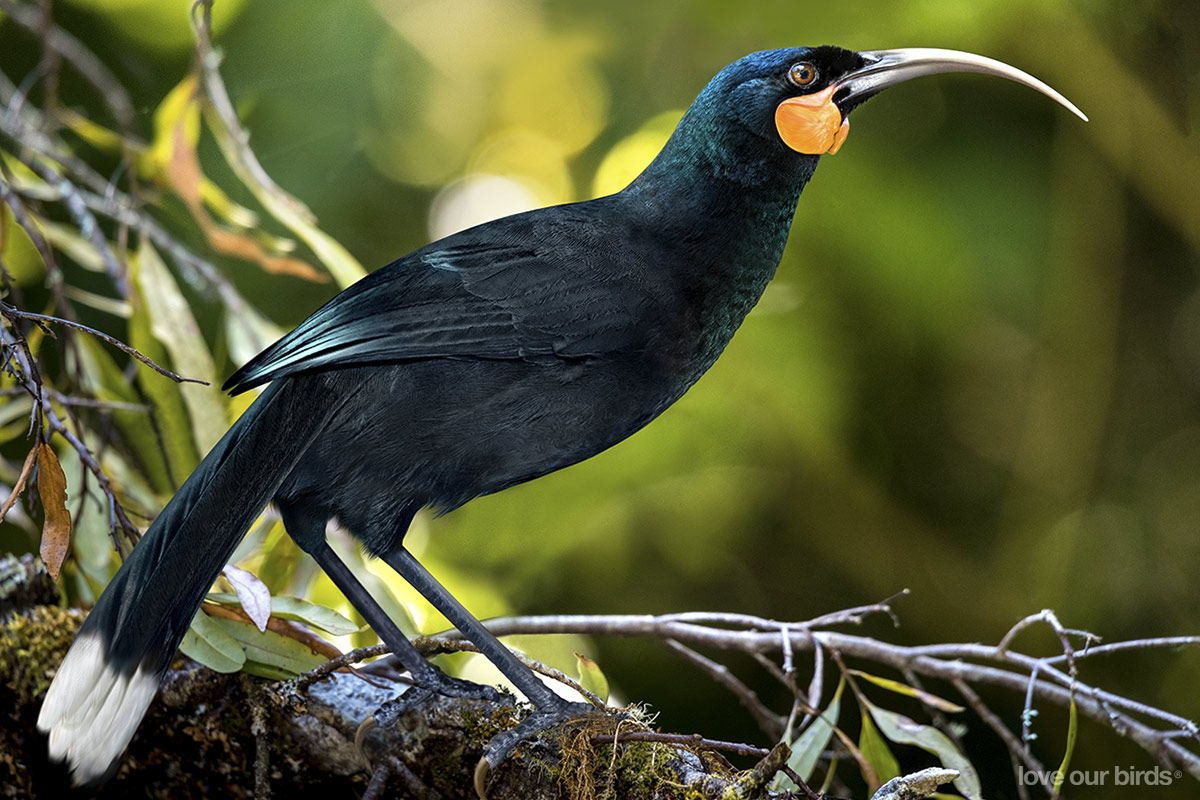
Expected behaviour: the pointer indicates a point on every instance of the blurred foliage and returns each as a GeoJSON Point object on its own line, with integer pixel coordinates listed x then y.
{"type": "Point", "coordinates": [976, 375]}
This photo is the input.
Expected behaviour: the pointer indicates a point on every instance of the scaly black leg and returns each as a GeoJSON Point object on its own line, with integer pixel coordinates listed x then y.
{"type": "Point", "coordinates": [423, 673]}
{"type": "Point", "coordinates": [551, 710]}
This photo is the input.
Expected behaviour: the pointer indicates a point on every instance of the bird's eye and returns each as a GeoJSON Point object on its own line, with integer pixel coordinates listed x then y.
{"type": "Point", "coordinates": [802, 74]}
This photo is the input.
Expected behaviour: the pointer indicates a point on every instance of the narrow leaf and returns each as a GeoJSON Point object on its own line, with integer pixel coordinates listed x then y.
{"type": "Point", "coordinates": [56, 525]}
{"type": "Point", "coordinates": [925, 697]}
{"type": "Point", "coordinates": [106, 381]}
{"type": "Point", "coordinates": [591, 677]}
{"type": "Point", "coordinates": [252, 593]}
{"type": "Point", "coordinates": [206, 643]}
{"type": "Point", "coordinates": [19, 484]}
{"type": "Point", "coordinates": [902, 730]}
{"type": "Point", "coordinates": [809, 745]}
{"type": "Point", "coordinates": [344, 268]}
{"type": "Point", "coordinates": [317, 616]}
{"type": "Point", "coordinates": [875, 750]}
{"type": "Point", "coordinates": [298, 610]}
{"type": "Point", "coordinates": [170, 410]}
{"type": "Point", "coordinates": [174, 326]}
{"type": "Point", "coordinates": [1072, 732]}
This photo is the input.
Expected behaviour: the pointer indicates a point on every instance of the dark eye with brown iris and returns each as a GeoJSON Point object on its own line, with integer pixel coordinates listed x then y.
{"type": "Point", "coordinates": [802, 75]}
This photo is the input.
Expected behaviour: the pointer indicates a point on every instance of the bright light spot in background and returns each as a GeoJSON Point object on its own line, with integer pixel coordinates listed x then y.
{"type": "Point", "coordinates": [632, 154]}
{"type": "Point", "coordinates": [529, 157]}
{"type": "Point", "coordinates": [477, 199]}
{"type": "Point", "coordinates": [482, 86]}
{"type": "Point", "coordinates": [556, 90]}
{"type": "Point", "coordinates": [460, 36]}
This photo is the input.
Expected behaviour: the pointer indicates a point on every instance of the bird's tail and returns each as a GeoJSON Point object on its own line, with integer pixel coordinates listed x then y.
{"type": "Point", "coordinates": [112, 671]}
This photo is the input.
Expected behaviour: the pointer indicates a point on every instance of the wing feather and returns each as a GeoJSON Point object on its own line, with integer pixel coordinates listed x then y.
{"type": "Point", "coordinates": [464, 297]}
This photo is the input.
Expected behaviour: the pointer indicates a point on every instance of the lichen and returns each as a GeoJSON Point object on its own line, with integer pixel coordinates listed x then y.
{"type": "Point", "coordinates": [31, 646]}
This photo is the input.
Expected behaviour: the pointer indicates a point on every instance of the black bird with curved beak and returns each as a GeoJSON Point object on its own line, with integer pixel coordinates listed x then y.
{"type": "Point", "coordinates": [481, 361]}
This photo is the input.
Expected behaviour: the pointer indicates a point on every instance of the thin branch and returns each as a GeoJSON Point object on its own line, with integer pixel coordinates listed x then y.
{"type": "Point", "coordinates": [1015, 747]}
{"type": "Point", "coordinates": [695, 741]}
{"type": "Point", "coordinates": [768, 721]}
{"type": "Point", "coordinates": [95, 71]}
{"type": "Point", "coordinates": [218, 98]}
{"type": "Point", "coordinates": [14, 313]}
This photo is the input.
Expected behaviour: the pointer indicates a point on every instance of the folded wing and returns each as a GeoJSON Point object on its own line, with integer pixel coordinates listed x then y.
{"type": "Point", "coordinates": [463, 297]}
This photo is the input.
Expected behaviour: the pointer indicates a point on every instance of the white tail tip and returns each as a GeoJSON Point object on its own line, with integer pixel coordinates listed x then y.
{"type": "Point", "coordinates": [91, 710]}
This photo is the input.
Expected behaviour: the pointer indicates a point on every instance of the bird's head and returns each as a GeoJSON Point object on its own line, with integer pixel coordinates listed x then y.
{"type": "Point", "coordinates": [773, 103]}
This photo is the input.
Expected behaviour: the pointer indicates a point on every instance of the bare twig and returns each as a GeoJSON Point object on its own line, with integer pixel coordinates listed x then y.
{"type": "Point", "coordinates": [95, 71]}
{"type": "Point", "coordinates": [769, 722]}
{"type": "Point", "coordinates": [695, 741]}
{"type": "Point", "coordinates": [14, 313]}
{"type": "Point", "coordinates": [218, 98]}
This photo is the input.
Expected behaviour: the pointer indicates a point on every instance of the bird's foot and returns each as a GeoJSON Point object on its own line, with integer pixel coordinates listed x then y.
{"type": "Point", "coordinates": [503, 744]}
{"type": "Point", "coordinates": [439, 682]}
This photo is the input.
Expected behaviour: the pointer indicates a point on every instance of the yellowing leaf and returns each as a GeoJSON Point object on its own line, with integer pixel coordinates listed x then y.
{"type": "Point", "coordinates": [925, 697]}
{"type": "Point", "coordinates": [344, 268]}
{"type": "Point", "coordinates": [94, 134]}
{"type": "Point", "coordinates": [178, 115]}
{"type": "Point", "coordinates": [174, 161]}
{"type": "Point", "coordinates": [591, 677]}
{"type": "Point", "coordinates": [56, 525]}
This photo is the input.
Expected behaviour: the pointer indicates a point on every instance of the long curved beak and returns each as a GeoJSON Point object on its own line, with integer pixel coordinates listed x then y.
{"type": "Point", "coordinates": [884, 68]}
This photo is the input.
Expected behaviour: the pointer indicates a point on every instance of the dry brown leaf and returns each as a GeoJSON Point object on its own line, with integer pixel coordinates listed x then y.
{"type": "Point", "coordinates": [185, 175]}
{"type": "Point", "coordinates": [56, 525]}
{"type": "Point", "coordinates": [19, 486]}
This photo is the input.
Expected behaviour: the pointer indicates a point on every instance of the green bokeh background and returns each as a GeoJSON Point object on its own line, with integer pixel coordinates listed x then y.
{"type": "Point", "coordinates": [977, 374]}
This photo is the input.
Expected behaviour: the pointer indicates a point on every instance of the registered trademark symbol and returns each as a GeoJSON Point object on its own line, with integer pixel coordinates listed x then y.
{"type": "Point", "coordinates": [1178, 774]}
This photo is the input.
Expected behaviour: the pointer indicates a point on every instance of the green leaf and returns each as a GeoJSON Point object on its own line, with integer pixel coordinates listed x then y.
{"type": "Point", "coordinates": [591, 677]}
{"type": "Point", "coordinates": [267, 671]}
{"type": "Point", "coordinates": [170, 409]}
{"type": "Point", "coordinates": [809, 745]}
{"type": "Point", "coordinates": [925, 697]}
{"type": "Point", "coordinates": [207, 643]}
{"type": "Point", "coordinates": [317, 616]}
{"type": "Point", "coordinates": [1072, 732]}
{"type": "Point", "coordinates": [249, 333]}
{"type": "Point", "coordinates": [875, 750]}
{"type": "Point", "coordinates": [902, 730]}
{"type": "Point", "coordinates": [172, 323]}
{"type": "Point", "coordinates": [107, 382]}
{"type": "Point", "coordinates": [298, 610]}
{"type": "Point", "coordinates": [270, 648]}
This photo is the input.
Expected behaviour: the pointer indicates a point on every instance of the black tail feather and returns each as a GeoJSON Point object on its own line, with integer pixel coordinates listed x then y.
{"type": "Point", "coordinates": [111, 673]}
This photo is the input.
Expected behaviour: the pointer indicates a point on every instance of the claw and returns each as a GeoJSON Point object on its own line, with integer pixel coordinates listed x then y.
{"type": "Point", "coordinates": [503, 744]}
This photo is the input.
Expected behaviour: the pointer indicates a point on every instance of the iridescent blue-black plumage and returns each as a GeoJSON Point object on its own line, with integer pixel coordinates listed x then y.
{"type": "Point", "coordinates": [480, 361]}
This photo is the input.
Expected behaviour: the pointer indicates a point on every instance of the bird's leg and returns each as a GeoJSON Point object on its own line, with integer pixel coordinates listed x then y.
{"type": "Point", "coordinates": [551, 710]}
{"type": "Point", "coordinates": [424, 674]}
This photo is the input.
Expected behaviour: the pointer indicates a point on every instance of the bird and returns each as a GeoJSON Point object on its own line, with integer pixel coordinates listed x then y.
{"type": "Point", "coordinates": [478, 362]}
